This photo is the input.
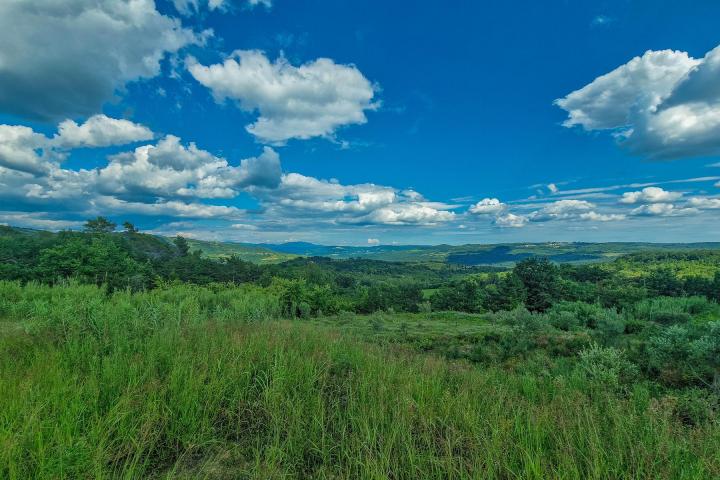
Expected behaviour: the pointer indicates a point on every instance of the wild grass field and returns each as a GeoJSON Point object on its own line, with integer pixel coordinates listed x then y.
{"type": "Point", "coordinates": [210, 382]}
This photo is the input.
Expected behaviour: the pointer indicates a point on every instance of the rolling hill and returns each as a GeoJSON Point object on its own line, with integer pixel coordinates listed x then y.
{"type": "Point", "coordinates": [483, 254]}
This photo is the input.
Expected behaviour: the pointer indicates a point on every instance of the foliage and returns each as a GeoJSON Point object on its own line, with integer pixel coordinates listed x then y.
{"type": "Point", "coordinates": [606, 368]}
{"type": "Point", "coordinates": [182, 246]}
{"type": "Point", "coordinates": [99, 225]}
{"type": "Point", "coordinates": [540, 279]}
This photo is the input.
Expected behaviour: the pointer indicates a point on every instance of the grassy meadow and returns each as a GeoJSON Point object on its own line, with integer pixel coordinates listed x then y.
{"type": "Point", "coordinates": [210, 382]}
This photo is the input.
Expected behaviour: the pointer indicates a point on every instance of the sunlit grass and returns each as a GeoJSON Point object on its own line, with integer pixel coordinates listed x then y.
{"type": "Point", "coordinates": [188, 382]}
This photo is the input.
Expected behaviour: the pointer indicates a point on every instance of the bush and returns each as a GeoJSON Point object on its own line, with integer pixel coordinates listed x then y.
{"type": "Point", "coordinates": [671, 310]}
{"type": "Point", "coordinates": [607, 368]}
{"type": "Point", "coordinates": [606, 323]}
{"type": "Point", "coordinates": [686, 355]}
{"type": "Point", "coordinates": [696, 406]}
{"type": "Point", "coordinates": [564, 320]}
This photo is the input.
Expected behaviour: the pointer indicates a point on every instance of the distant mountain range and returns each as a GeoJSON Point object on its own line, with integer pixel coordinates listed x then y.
{"type": "Point", "coordinates": [471, 254]}
{"type": "Point", "coordinates": [501, 255]}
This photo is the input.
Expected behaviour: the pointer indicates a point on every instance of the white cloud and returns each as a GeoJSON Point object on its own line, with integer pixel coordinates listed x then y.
{"type": "Point", "coordinates": [365, 204]}
{"type": "Point", "coordinates": [24, 150]}
{"type": "Point", "coordinates": [164, 179]}
{"type": "Point", "coordinates": [36, 220]}
{"type": "Point", "coordinates": [63, 59]}
{"type": "Point", "coordinates": [662, 210]}
{"type": "Point", "coordinates": [192, 7]}
{"type": "Point", "coordinates": [243, 226]}
{"type": "Point", "coordinates": [650, 195]}
{"type": "Point", "coordinates": [403, 214]}
{"type": "Point", "coordinates": [664, 104]}
{"type": "Point", "coordinates": [171, 208]}
{"type": "Point", "coordinates": [704, 203]}
{"type": "Point", "coordinates": [170, 169]}
{"type": "Point", "coordinates": [553, 188]}
{"type": "Point", "coordinates": [562, 209]}
{"type": "Point", "coordinates": [511, 220]}
{"type": "Point", "coordinates": [572, 210]}
{"type": "Point", "coordinates": [611, 99]}
{"type": "Point", "coordinates": [601, 217]}
{"type": "Point", "coordinates": [373, 242]}
{"type": "Point", "coordinates": [312, 100]}
{"type": "Point", "coordinates": [100, 131]}
{"type": "Point", "coordinates": [265, 3]}
{"type": "Point", "coordinates": [488, 206]}
{"type": "Point", "coordinates": [168, 178]}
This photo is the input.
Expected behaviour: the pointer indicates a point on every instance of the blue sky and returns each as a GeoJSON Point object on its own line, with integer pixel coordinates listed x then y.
{"type": "Point", "coordinates": [364, 122]}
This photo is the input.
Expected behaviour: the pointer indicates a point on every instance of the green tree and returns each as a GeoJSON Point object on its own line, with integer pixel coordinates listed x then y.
{"type": "Point", "coordinates": [294, 297]}
{"type": "Point", "coordinates": [505, 294]}
{"type": "Point", "coordinates": [130, 228]}
{"type": "Point", "coordinates": [99, 225]}
{"type": "Point", "coordinates": [665, 282]}
{"type": "Point", "coordinates": [540, 279]}
{"type": "Point", "coordinates": [98, 260]}
{"type": "Point", "coordinates": [466, 295]}
{"type": "Point", "coordinates": [182, 246]}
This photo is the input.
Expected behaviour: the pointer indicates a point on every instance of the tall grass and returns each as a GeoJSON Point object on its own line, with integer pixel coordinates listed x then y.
{"type": "Point", "coordinates": [188, 382]}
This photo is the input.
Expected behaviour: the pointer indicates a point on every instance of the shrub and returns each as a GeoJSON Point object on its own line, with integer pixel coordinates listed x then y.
{"type": "Point", "coordinates": [686, 355]}
{"type": "Point", "coordinates": [670, 310]}
{"type": "Point", "coordinates": [607, 368]}
{"type": "Point", "coordinates": [696, 406]}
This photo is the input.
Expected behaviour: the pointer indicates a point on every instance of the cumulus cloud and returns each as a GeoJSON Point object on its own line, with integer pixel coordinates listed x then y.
{"type": "Point", "coordinates": [704, 203]}
{"type": "Point", "coordinates": [166, 208]}
{"type": "Point", "coordinates": [572, 210]}
{"type": "Point", "coordinates": [64, 59]}
{"type": "Point", "coordinates": [100, 131]}
{"type": "Point", "coordinates": [170, 178]}
{"type": "Point", "coordinates": [373, 242]}
{"type": "Point", "coordinates": [611, 99]}
{"type": "Point", "coordinates": [162, 179]}
{"type": "Point", "coordinates": [243, 226]}
{"type": "Point", "coordinates": [511, 220]}
{"type": "Point", "coordinates": [312, 100]}
{"type": "Point", "coordinates": [664, 104]}
{"type": "Point", "coordinates": [36, 220]}
{"type": "Point", "coordinates": [650, 195]}
{"type": "Point", "coordinates": [170, 169]}
{"type": "Point", "coordinates": [662, 210]}
{"type": "Point", "coordinates": [601, 217]}
{"type": "Point", "coordinates": [488, 206]}
{"type": "Point", "coordinates": [361, 204]}
{"type": "Point", "coordinates": [562, 209]}
{"type": "Point", "coordinates": [403, 214]}
{"type": "Point", "coordinates": [24, 150]}
{"type": "Point", "coordinates": [565, 209]}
